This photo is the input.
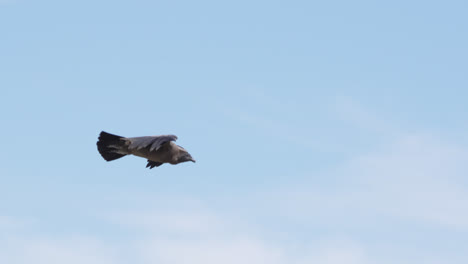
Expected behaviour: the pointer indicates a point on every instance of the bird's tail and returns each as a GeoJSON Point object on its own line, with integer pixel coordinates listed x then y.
{"type": "Point", "coordinates": [111, 147]}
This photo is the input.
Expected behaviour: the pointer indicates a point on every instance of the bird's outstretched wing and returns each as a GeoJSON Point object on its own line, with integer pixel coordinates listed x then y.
{"type": "Point", "coordinates": [153, 142]}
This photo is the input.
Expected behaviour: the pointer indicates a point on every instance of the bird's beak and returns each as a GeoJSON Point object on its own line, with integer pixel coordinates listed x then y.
{"type": "Point", "coordinates": [192, 160]}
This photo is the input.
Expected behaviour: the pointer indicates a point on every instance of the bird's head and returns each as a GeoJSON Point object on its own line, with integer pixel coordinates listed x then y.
{"type": "Point", "coordinates": [184, 156]}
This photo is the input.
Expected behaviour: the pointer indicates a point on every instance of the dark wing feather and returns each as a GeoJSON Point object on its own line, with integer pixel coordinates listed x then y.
{"type": "Point", "coordinates": [151, 164]}
{"type": "Point", "coordinates": [154, 142]}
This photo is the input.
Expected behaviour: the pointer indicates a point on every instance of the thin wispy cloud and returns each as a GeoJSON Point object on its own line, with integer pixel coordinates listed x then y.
{"type": "Point", "coordinates": [417, 177]}
{"type": "Point", "coordinates": [413, 179]}
{"type": "Point", "coordinates": [173, 244]}
{"type": "Point", "coordinates": [351, 111]}
{"type": "Point", "coordinates": [12, 224]}
{"type": "Point", "coordinates": [315, 123]}
{"type": "Point", "coordinates": [47, 250]}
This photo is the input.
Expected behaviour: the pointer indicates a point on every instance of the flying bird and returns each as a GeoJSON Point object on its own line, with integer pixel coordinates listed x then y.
{"type": "Point", "coordinates": [157, 149]}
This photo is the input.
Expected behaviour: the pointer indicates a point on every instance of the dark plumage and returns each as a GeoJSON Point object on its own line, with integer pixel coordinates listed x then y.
{"type": "Point", "coordinates": [157, 149]}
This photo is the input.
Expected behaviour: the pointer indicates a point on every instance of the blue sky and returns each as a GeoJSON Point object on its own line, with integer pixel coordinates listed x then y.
{"type": "Point", "coordinates": [325, 132]}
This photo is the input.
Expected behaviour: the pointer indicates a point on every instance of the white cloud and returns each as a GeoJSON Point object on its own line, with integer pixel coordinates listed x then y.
{"type": "Point", "coordinates": [216, 240]}
{"type": "Point", "coordinates": [7, 222]}
{"type": "Point", "coordinates": [190, 222]}
{"type": "Point", "coordinates": [199, 235]}
{"type": "Point", "coordinates": [28, 249]}
{"type": "Point", "coordinates": [416, 179]}
{"type": "Point", "coordinates": [227, 250]}
{"type": "Point", "coordinates": [335, 252]}
{"type": "Point", "coordinates": [213, 238]}
{"type": "Point", "coordinates": [11, 224]}
{"type": "Point", "coordinates": [350, 111]}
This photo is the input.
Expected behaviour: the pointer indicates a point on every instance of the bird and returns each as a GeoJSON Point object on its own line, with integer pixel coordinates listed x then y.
{"type": "Point", "coordinates": [156, 149]}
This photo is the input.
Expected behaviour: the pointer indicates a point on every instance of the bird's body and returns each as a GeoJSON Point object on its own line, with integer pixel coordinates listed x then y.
{"type": "Point", "coordinates": [166, 154]}
{"type": "Point", "coordinates": [157, 149]}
